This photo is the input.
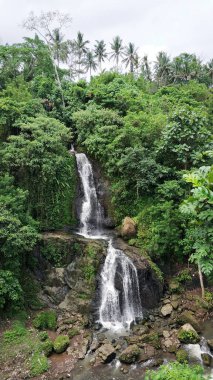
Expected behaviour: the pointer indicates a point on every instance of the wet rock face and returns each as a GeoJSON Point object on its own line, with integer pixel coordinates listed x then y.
{"type": "Point", "coordinates": [103, 192]}
{"type": "Point", "coordinates": [150, 286]}
{"type": "Point", "coordinates": [72, 286]}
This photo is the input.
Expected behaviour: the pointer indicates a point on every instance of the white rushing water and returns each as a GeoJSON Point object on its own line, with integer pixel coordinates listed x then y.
{"type": "Point", "coordinates": [120, 303]}
{"type": "Point", "coordinates": [91, 215]}
{"type": "Point", "coordinates": [119, 307]}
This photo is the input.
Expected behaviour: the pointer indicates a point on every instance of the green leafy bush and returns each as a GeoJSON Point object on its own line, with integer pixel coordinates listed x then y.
{"type": "Point", "coordinates": [188, 337]}
{"type": "Point", "coordinates": [47, 347]}
{"type": "Point", "coordinates": [10, 289]}
{"type": "Point", "coordinates": [38, 364]}
{"type": "Point", "coordinates": [16, 334]}
{"type": "Point", "coordinates": [45, 320]}
{"type": "Point", "coordinates": [176, 371]}
{"type": "Point", "coordinates": [43, 335]}
{"type": "Point", "coordinates": [61, 343]}
{"type": "Point", "coordinates": [182, 356]}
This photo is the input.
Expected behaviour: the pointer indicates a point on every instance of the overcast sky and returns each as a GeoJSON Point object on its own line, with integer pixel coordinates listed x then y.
{"type": "Point", "coordinates": [174, 26]}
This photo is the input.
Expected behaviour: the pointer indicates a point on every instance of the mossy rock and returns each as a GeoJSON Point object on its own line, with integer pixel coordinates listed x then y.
{"type": "Point", "coordinates": [61, 343]}
{"type": "Point", "coordinates": [73, 332]}
{"type": "Point", "coordinates": [188, 335]}
{"type": "Point", "coordinates": [152, 338]}
{"type": "Point", "coordinates": [130, 354]}
{"type": "Point", "coordinates": [47, 347]}
{"type": "Point", "coordinates": [175, 287]}
{"type": "Point", "coordinates": [182, 356]}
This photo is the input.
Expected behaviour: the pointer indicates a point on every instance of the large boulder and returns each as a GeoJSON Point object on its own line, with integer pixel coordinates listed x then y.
{"type": "Point", "coordinates": [210, 343]}
{"type": "Point", "coordinates": [128, 229]}
{"type": "Point", "coordinates": [170, 342]}
{"type": "Point", "coordinates": [106, 353]}
{"type": "Point", "coordinates": [187, 317]}
{"type": "Point", "coordinates": [188, 335]}
{"type": "Point", "coordinates": [207, 359]}
{"type": "Point", "coordinates": [130, 354]}
{"type": "Point", "coordinates": [166, 309]}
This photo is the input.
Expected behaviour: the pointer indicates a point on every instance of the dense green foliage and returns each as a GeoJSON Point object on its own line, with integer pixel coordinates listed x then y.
{"type": "Point", "coordinates": [45, 320]}
{"type": "Point", "coordinates": [147, 141]}
{"type": "Point", "coordinates": [176, 371]}
{"type": "Point", "coordinates": [151, 131]}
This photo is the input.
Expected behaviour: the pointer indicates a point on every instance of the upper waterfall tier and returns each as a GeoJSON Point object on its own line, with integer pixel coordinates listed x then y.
{"type": "Point", "coordinates": [91, 213]}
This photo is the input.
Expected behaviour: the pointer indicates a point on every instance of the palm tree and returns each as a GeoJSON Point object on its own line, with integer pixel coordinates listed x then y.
{"type": "Point", "coordinates": [60, 48]}
{"type": "Point", "coordinates": [185, 67]}
{"type": "Point", "coordinates": [100, 52]}
{"type": "Point", "coordinates": [117, 50]}
{"type": "Point", "coordinates": [162, 68]}
{"type": "Point", "coordinates": [145, 68]}
{"type": "Point", "coordinates": [81, 49]}
{"type": "Point", "coordinates": [90, 63]}
{"type": "Point", "coordinates": [131, 57]}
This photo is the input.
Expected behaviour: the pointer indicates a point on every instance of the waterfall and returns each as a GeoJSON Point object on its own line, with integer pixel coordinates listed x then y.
{"type": "Point", "coordinates": [119, 307]}
{"type": "Point", "coordinates": [120, 303]}
{"type": "Point", "coordinates": [91, 215]}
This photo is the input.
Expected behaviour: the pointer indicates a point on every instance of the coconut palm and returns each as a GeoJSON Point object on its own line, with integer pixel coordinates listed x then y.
{"type": "Point", "coordinates": [131, 57]}
{"type": "Point", "coordinates": [145, 68]}
{"type": "Point", "coordinates": [162, 68]}
{"type": "Point", "coordinates": [185, 67]}
{"type": "Point", "coordinates": [117, 50]}
{"type": "Point", "coordinates": [80, 46]}
{"type": "Point", "coordinates": [60, 48]}
{"type": "Point", "coordinates": [90, 63]}
{"type": "Point", "coordinates": [100, 52]}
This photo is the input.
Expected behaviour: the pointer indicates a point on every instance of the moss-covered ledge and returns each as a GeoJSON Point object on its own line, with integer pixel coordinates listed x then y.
{"type": "Point", "coordinates": [69, 264]}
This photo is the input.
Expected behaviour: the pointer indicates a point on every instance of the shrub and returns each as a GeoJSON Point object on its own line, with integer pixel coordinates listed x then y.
{"type": "Point", "coordinates": [16, 334]}
{"type": "Point", "coordinates": [176, 371]}
{"type": "Point", "coordinates": [39, 364]}
{"type": "Point", "coordinates": [61, 343]}
{"type": "Point", "coordinates": [43, 336]}
{"type": "Point", "coordinates": [47, 347]}
{"type": "Point", "coordinates": [45, 320]}
{"type": "Point", "coordinates": [182, 356]}
{"type": "Point", "coordinates": [188, 337]}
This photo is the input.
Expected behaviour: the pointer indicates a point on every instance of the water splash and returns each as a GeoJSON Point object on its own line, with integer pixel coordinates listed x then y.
{"type": "Point", "coordinates": [121, 304]}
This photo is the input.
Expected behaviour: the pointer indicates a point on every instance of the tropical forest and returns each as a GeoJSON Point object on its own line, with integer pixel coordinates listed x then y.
{"type": "Point", "coordinates": [106, 208]}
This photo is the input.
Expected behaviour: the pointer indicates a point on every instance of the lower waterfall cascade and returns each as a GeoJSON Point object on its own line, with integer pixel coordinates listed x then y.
{"type": "Point", "coordinates": [119, 308]}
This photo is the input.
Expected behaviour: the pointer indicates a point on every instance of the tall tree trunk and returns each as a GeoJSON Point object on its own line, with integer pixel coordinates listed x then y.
{"type": "Point", "coordinates": [201, 281]}
{"type": "Point", "coordinates": [57, 76]}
